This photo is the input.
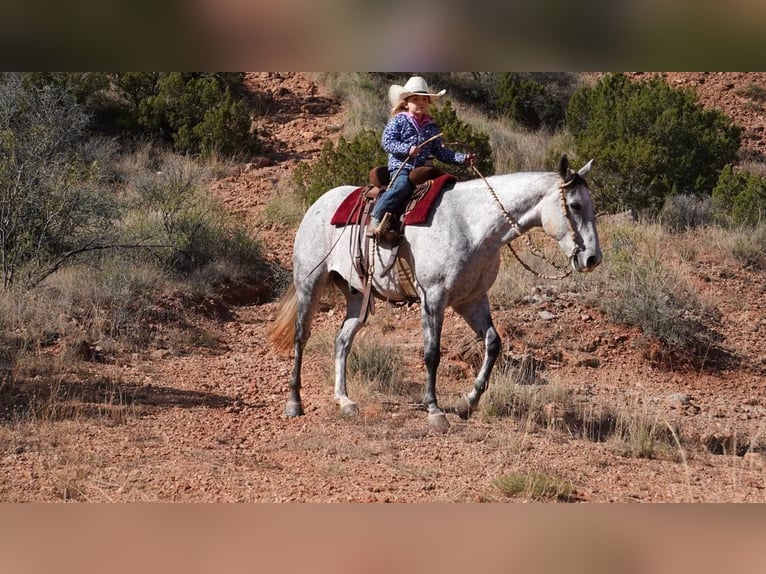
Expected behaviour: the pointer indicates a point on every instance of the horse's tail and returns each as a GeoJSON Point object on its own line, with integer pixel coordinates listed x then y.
{"type": "Point", "coordinates": [282, 333]}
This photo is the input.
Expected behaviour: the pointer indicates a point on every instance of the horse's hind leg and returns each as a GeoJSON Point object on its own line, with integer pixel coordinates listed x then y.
{"type": "Point", "coordinates": [309, 293]}
{"type": "Point", "coordinates": [343, 341]}
{"type": "Point", "coordinates": [479, 318]}
{"type": "Point", "coordinates": [432, 317]}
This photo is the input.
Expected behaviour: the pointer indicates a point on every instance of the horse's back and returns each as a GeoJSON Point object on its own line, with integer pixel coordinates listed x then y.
{"type": "Point", "coordinates": [315, 235]}
{"type": "Point", "coordinates": [317, 218]}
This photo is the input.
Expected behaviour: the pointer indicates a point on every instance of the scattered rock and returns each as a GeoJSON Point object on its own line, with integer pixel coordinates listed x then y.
{"type": "Point", "coordinates": [581, 359]}
{"type": "Point", "coordinates": [682, 402]}
{"type": "Point", "coordinates": [257, 163]}
{"type": "Point", "coordinates": [679, 400]}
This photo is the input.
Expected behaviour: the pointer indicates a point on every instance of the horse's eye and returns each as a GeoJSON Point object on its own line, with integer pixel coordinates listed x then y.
{"type": "Point", "coordinates": [576, 206]}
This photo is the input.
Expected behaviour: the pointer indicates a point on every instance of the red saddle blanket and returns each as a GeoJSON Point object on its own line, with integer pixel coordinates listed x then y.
{"type": "Point", "coordinates": [350, 210]}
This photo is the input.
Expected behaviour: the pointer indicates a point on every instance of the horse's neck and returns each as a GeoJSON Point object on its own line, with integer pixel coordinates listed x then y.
{"type": "Point", "coordinates": [504, 206]}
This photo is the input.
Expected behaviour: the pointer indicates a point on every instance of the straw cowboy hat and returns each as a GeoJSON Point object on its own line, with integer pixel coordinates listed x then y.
{"type": "Point", "coordinates": [415, 85]}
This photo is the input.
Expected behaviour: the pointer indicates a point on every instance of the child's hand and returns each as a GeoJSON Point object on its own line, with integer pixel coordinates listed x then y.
{"type": "Point", "coordinates": [470, 160]}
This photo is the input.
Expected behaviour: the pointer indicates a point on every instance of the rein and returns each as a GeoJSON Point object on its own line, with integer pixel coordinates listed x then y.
{"type": "Point", "coordinates": [532, 248]}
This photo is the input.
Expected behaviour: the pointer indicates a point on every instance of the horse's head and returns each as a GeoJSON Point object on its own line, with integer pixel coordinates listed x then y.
{"type": "Point", "coordinates": [570, 217]}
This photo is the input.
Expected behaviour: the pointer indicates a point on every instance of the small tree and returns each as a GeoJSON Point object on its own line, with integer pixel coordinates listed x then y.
{"type": "Point", "coordinates": [197, 111]}
{"type": "Point", "coordinates": [50, 211]}
{"type": "Point", "coordinates": [650, 140]}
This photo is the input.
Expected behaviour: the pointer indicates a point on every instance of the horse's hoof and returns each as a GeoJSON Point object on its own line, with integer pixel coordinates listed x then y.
{"type": "Point", "coordinates": [463, 408]}
{"type": "Point", "coordinates": [438, 422]}
{"type": "Point", "coordinates": [349, 410]}
{"type": "Point", "coordinates": [294, 409]}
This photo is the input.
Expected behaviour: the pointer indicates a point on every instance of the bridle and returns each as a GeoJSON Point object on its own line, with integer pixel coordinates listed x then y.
{"type": "Point", "coordinates": [532, 248]}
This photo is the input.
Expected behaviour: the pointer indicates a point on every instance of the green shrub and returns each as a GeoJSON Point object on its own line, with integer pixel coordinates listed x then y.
{"type": "Point", "coordinates": [460, 136]}
{"type": "Point", "coordinates": [650, 140]}
{"type": "Point", "coordinates": [739, 198]}
{"type": "Point", "coordinates": [87, 88]}
{"type": "Point", "coordinates": [199, 113]}
{"type": "Point", "coordinates": [528, 103]}
{"type": "Point", "coordinates": [346, 163]}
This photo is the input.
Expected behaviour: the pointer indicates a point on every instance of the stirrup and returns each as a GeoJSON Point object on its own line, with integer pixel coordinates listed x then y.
{"type": "Point", "coordinates": [388, 238]}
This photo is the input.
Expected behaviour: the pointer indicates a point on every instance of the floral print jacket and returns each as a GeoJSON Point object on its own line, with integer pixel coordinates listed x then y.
{"type": "Point", "coordinates": [403, 131]}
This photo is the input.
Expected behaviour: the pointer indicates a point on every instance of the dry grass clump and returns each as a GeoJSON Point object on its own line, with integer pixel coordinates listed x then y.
{"type": "Point", "coordinates": [364, 97]}
{"type": "Point", "coordinates": [43, 400]}
{"type": "Point", "coordinates": [645, 283]}
{"type": "Point", "coordinates": [632, 430]}
{"type": "Point", "coordinates": [517, 285]}
{"type": "Point", "coordinates": [537, 486]}
{"type": "Point", "coordinates": [112, 307]}
{"type": "Point", "coordinates": [684, 212]}
{"type": "Point", "coordinates": [748, 246]}
{"type": "Point", "coordinates": [642, 435]}
{"type": "Point", "coordinates": [286, 208]}
{"type": "Point", "coordinates": [514, 149]}
{"type": "Point", "coordinates": [379, 366]}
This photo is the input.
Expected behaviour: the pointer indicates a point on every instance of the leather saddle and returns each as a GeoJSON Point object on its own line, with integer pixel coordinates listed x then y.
{"type": "Point", "coordinates": [419, 176]}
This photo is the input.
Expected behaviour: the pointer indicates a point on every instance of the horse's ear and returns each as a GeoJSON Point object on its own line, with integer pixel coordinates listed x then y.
{"type": "Point", "coordinates": [585, 169]}
{"type": "Point", "coordinates": [564, 167]}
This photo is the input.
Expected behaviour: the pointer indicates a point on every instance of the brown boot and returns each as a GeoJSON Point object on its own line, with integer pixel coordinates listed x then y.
{"type": "Point", "coordinates": [381, 230]}
{"type": "Point", "coordinates": [373, 227]}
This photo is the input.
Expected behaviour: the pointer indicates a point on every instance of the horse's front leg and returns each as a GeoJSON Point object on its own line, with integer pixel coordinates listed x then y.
{"type": "Point", "coordinates": [343, 341]}
{"type": "Point", "coordinates": [433, 318]}
{"type": "Point", "coordinates": [479, 318]}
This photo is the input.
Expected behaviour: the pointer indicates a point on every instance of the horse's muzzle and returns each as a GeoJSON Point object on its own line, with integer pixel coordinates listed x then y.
{"type": "Point", "coordinates": [591, 262]}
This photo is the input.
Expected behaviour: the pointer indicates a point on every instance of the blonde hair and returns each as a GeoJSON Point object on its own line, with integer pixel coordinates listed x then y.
{"type": "Point", "coordinates": [400, 107]}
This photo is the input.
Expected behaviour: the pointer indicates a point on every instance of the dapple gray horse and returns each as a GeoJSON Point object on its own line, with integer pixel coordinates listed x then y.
{"type": "Point", "coordinates": [454, 258]}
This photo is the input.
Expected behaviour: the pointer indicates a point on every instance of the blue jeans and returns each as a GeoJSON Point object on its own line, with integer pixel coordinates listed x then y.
{"type": "Point", "coordinates": [394, 198]}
